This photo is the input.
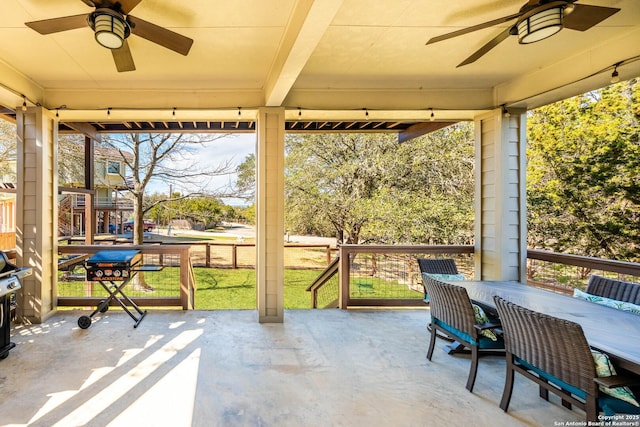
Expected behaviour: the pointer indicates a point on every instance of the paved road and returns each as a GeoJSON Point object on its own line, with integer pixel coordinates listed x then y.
{"type": "Point", "coordinates": [243, 231]}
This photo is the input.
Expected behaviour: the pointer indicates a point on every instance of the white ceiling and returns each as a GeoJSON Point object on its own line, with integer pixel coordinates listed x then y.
{"type": "Point", "coordinates": [321, 55]}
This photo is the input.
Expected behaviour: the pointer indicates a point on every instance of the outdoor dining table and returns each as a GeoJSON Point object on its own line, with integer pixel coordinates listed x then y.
{"type": "Point", "coordinates": [607, 329]}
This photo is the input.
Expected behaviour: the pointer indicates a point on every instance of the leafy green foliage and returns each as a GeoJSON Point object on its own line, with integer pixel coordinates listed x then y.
{"type": "Point", "coordinates": [370, 188]}
{"type": "Point", "coordinates": [7, 151]}
{"type": "Point", "coordinates": [583, 183]}
{"type": "Point", "coordinates": [204, 212]}
{"type": "Point", "coordinates": [246, 178]}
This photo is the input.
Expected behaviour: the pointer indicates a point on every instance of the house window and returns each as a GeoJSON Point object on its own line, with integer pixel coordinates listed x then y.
{"type": "Point", "coordinates": [113, 168]}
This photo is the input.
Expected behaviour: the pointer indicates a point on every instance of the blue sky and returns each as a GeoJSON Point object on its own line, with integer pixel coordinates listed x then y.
{"type": "Point", "coordinates": [233, 148]}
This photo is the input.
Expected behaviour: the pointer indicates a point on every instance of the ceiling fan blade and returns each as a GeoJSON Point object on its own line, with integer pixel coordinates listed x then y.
{"type": "Point", "coordinates": [162, 36]}
{"type": "Point", "coordinates": [585, 16]}
{"type": "Point", "coordinates": [486, 48]}
{"type": "Point", "coordinates": [123, 59]}
{"type": "Point", "coordinates": [89, 3]}
{"type": "Point", "coordinates": [474, 28]}
{"type": "Point", "coordinates": [55, 25]}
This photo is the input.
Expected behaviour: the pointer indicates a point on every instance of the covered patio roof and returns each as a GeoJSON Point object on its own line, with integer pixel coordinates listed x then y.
{"type": "Point", "coordinates": [329, 63]}
{"type": "Point", "coordinates": [280, 65]}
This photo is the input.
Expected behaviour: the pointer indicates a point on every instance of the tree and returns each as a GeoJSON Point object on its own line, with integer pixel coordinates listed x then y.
{"type": "Point", "coordinates": [584, 174]}
{"type": "Point", "coordinates": [246, 178]}
{"type": "Point", "coordinates": [166, 157]}
{"type": "Point", "coordinates": [328, 180]}
{"type": "Point", "coordinates": [368, 187]}
{"type": "Point", "coordinates": [70, 159]}
{"type": "Point", "coordinates": [428, 191]}
{"type": "Point", "coordinates": [7, 151]}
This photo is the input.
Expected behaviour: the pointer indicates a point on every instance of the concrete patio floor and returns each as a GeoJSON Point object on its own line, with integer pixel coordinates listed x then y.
{"type": "Point", "coordinates": [223, 368]}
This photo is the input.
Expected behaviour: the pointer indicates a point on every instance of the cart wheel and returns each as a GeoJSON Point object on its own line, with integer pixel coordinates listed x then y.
{"type": "Point", "coordinates": [105, 308]}
{"type": "Point", "coordinates": [4, 356]}
{"type": "Point", "coordinates": [84, 322]}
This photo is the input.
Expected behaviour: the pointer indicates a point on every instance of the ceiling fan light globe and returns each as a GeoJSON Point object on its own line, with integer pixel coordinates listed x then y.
{"type": "Point", "coordinates": [110, 31]}
{"type": "Point", "coordinates": [540, 25]}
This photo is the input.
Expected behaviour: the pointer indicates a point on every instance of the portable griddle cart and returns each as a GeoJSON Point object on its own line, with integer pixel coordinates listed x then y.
{"type": "Point", "coordinates": [113, 270]}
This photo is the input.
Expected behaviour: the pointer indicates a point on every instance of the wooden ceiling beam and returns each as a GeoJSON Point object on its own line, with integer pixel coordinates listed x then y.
{"type": "Point", "coordinates": [85, 129]}
{"type": "Point", "coordinates": [420, 129]}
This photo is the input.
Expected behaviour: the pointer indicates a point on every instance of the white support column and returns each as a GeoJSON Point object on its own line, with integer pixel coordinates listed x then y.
{"type": "Point", "coordinates": [270, 215]}
{"type": "Point", "coordinates": [37, 212]}
{"type": "Point", "coordinates": [500, 202]}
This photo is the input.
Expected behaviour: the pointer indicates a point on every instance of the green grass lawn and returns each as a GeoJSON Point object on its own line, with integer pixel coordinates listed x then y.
{"type": "Point", "coordinates": [220, 288]}
{"type": "Point", "coordinates": [236, 289]}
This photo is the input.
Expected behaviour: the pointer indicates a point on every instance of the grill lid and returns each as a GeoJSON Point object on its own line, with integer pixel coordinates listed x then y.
{"type": "Point", "coordinates": [10, 275]}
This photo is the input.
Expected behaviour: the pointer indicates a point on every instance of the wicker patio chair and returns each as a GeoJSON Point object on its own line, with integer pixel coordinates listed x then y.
{"type": "Point", "coordinates": [452, 314]}
{"type": "Point", "coordinates": [614, 289]}
{"type": "Point", "coordinates": [438, 265]}
{"type": "Point", "coordinates": [554, 353]}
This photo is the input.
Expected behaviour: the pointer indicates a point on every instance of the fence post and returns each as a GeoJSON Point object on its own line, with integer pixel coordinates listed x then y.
{"type": "Point", "coordinates": [328, 254]}
{"type": "Point", "coordinates": [208, 255]}
{"type": "Point", "coordinates": [185, 294]}
{"type": "Point", "coordinates": [234, 256]}
{"type": "Point", "coordinates": [344, 274]}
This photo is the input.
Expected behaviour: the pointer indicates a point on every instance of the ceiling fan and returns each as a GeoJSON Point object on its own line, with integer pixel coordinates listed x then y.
{"type": "Point", "coordinates": [112, 25]}
{"type": "Point", "coordinates": [536, 20]}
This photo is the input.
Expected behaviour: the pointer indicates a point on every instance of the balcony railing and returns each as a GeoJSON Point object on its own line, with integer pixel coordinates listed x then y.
{"type": "Point", "coordinates": [389, 275]}
{"type": "Point", "coordinates": [562, 272]}
{"type": "Point", "coordinates": [174, 285]}
{"type": "Point", "coordinates": [386, 275]}
{"type": "Point", "coordinates": [367, 275]}
{"type": "Point", "coordinates": [78, 202]}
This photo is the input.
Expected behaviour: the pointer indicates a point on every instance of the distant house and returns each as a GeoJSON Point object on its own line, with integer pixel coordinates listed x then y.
{"type": "Point", "coordinates": [7, 185]}
{"type": "Point", "coordinates": [111, 202]}
{"type": "Point", "coordinates": [7, 211]}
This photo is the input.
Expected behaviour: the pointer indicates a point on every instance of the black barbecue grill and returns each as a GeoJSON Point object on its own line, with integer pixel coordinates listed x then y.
{"type": "Point", "coordinates": [10, 276]}
{"type": "Point", "coordinates": [113, 270]}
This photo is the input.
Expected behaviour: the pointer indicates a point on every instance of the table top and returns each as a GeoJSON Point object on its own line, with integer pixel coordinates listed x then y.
{"type": "Point", "coordinates": [610, 330]}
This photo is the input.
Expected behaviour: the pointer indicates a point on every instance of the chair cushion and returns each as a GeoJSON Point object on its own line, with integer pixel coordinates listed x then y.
{"type": "Point", "coordinates": [604, 368]}
{"type": "Point", "coordinates": [445, 277]}
{"type": "Point", "coordinates": [482, 318]}
{"type": "Point", "coordinates": [620, 305]}
{"type": "Point", "coordinates": [610, 405]}
{"type": "Point", "coordinates": [454, 331]}
{"type": "Point", "coordinates": [483, 342]}
{"type": "Point", "coordinates": [554, 380]}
